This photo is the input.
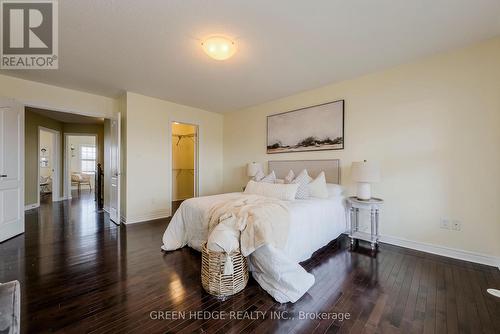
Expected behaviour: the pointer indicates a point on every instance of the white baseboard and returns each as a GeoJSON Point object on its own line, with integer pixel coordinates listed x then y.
{"type": "Point", "coordinates": [443, 251]}
{"type": "Point", "coordinates": [31, 206]}
{"type": "Point", "coordinates": [143, 218]}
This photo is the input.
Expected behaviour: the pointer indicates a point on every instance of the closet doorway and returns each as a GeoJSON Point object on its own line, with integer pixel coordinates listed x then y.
{"type": "Point", "coordinates": [184, 163]}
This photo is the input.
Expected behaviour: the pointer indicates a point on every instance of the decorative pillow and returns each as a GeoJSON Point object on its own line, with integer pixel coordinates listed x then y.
{"type": "Point", "coordinates": [284, 192]}
{"type": "Point", "coordinates": [317, 188]}
{"type": "Point", "coordinates": [334, 189]}
{"type": "Point", "coordinates": [259, 176]}
{"type": "Point", "coordinates": [279, 181]}
{"type": "Point", "coordinates": [271, 178]}
{"type": "Point", "coordinates": [302, 180]}
{"type": "Point", "coordinates": [290, 176]}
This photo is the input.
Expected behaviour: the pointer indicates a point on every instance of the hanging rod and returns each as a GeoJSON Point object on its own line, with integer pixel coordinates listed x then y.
{"type": "Point", "coordinates": [189, 135]}
{"type": "Point", "coordinates": [186, 135]}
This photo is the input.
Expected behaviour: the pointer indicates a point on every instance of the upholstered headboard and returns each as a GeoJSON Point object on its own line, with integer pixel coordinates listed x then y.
{"type": "Point", "coordinates": [331, 168]}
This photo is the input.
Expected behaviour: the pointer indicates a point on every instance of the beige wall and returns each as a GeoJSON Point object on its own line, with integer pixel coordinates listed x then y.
{"type": "Point", "coordinates": [50, 97]}
{"type": "Point", "coordinates": [148, 154]}
{"type": "Point", "coordinates": [434, 125]}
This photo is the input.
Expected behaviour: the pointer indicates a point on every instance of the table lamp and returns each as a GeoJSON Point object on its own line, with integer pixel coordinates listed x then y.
{"type": "Point", "coordinates": [364, 173]}
{"type": "Point", "coordinates": [253, 168]}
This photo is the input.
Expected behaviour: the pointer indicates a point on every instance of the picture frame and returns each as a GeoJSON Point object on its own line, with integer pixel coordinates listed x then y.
{"type": "Point", "coordinates": [315, 128]}
{"type": "Point", "coordinates": [44, 160]}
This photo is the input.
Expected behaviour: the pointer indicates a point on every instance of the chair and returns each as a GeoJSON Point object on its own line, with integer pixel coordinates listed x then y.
{"type": "Point", "coordinates": [10, 307]}
{"type": "Point", "coordinates": [80, 179]}
{"type": "Point", "coordinates": [45, 184]}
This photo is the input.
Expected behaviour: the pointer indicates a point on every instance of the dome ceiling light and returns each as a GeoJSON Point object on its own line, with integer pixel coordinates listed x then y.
{"type": "Point", "coordinates": [219, 47]}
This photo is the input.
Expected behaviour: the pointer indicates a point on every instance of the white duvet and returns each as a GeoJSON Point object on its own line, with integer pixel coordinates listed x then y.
{"type": "Point", "coordinates": [313, 224]}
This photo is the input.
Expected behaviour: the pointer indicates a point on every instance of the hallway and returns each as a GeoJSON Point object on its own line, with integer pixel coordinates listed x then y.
{"type": "Point", "coordinates": [77, 215]}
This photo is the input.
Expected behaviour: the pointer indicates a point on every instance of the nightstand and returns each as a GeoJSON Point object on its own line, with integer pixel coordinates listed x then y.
{"type": "Point", "coordinates": [354, 205]}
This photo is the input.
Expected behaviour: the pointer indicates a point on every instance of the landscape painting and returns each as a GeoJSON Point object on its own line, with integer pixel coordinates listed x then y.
{"type": "Point", "coordinates": [313, 128]}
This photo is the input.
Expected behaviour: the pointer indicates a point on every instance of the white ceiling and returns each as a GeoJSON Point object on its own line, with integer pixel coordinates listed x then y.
{"type": "Point", "coordinates": [65, 117]}
{"type": "Point", "coordinates": [151, 47]}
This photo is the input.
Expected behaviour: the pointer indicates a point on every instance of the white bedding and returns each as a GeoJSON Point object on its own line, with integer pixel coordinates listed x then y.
{"type": "Point", "coordinates": [313, 224]}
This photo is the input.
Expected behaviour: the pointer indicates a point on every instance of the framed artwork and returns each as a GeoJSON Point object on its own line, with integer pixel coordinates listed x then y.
{"type": "Point", "coordinates": [44, 160]}
{"type": "Point", "coordinates": [315, 128]}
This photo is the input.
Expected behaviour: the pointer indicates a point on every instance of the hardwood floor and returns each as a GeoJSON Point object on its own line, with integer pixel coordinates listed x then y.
{"type": "Point", "coordinates": [176, 205]}
{"type": "Point", "coordinates": [81, 273]}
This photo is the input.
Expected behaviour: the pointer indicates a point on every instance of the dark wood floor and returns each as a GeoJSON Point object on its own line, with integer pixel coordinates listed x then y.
{"type": "Point", "coordinates": [176, 205]}
{"type": "Point", "coordinates": [81, 273]}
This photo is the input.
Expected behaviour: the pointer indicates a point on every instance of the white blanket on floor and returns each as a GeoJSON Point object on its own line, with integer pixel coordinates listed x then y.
{"type": "Point", "coordinates": [264, 224]}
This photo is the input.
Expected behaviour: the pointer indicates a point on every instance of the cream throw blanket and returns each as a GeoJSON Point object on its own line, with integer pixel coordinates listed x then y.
{"type": "Point", "coordinates": [264, 224]}
{"type": "Point", "coordinates": [261, 221]}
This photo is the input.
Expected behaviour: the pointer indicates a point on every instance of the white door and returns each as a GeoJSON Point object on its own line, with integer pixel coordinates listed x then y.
{"type": "Point", "coordinates": [114, 193]}
{"type": "Point", "coordinates": [11, 169]}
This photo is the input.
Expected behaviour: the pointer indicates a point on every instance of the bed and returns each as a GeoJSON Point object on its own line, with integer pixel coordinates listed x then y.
{"type": "Point", "coordinates": [313, 223]}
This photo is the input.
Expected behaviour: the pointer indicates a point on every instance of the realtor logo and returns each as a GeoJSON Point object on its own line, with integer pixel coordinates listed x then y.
{"type": "Point", "coordinates": [29, 34]}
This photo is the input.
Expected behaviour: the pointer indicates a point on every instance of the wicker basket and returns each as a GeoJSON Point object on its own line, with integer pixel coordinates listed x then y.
{"type": "Point", "coordinates": [212, 272]}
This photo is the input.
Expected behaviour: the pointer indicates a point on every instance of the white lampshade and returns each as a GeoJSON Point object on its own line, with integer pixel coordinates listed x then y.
{"type": "Point", "coordinates": [365, 171]}
{"type": "Point", "coordinates": [253, 168]}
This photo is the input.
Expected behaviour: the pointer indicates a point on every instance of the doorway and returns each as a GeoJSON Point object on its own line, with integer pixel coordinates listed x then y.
{"type": "Point", "coordinates": [49, 153]}
{"type": "Point", "coordinates": [184, 163]}
{"type": "Point", "coordinates": [81, 160]}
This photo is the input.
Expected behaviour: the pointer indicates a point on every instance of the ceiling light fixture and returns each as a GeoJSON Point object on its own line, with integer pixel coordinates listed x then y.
{"type": "Point", "coordinates": [219, 47]}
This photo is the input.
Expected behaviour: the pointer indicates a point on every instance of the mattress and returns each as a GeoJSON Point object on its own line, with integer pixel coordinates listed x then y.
{"type": "Point", "coordinates": [313, 223]}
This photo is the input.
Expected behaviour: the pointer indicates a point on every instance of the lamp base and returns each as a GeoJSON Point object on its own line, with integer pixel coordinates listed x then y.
{"type": "Point", "coordinates": [364, 192]}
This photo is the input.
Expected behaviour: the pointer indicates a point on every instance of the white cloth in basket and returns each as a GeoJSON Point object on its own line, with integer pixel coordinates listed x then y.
{"type": "Point", "coordinates": [264, 224]}
{"type": "Point", "coordinates": [225, 237]}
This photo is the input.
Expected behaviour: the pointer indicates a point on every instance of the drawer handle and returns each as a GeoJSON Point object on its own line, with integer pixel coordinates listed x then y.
{"type": "Point", "coordinates": [3, 175]}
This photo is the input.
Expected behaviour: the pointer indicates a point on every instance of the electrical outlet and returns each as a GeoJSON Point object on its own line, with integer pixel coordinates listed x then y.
{"type": "Point", "coordinates": [456, 225]}
{"type": "Point", "coordinates": [445, 223]}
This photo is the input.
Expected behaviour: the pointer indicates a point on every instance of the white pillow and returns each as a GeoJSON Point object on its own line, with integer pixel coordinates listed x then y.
{"type": "Point", "coordinates": [302, 180]}
{"type": "Point", "coordinates": [334, 189]}
{"type": "Point", "coordinates": [259, 176]}
{"type": "Point", "coordinates": [271, 178]}
{"type": "Point", "coordinates": [284, 192]}
{"type": "Point", "coordinates": [317, 187]}
{"type": "Point", "coordinates": [290, 176]}
{"type": "Point", "coordinates": [280, 181]}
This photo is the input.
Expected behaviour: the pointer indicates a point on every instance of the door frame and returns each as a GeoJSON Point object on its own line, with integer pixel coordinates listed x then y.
{"type": "Point", "coordinates": [115, 174]}
{"type": "Point", "coordinates": [196, 158]}
{"type": "Point", "coordinates": [23, 103]}
{"type": "Point", "coordinates": [67, 149]}
{"type": "Point", "coordinates": [56, 181]}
